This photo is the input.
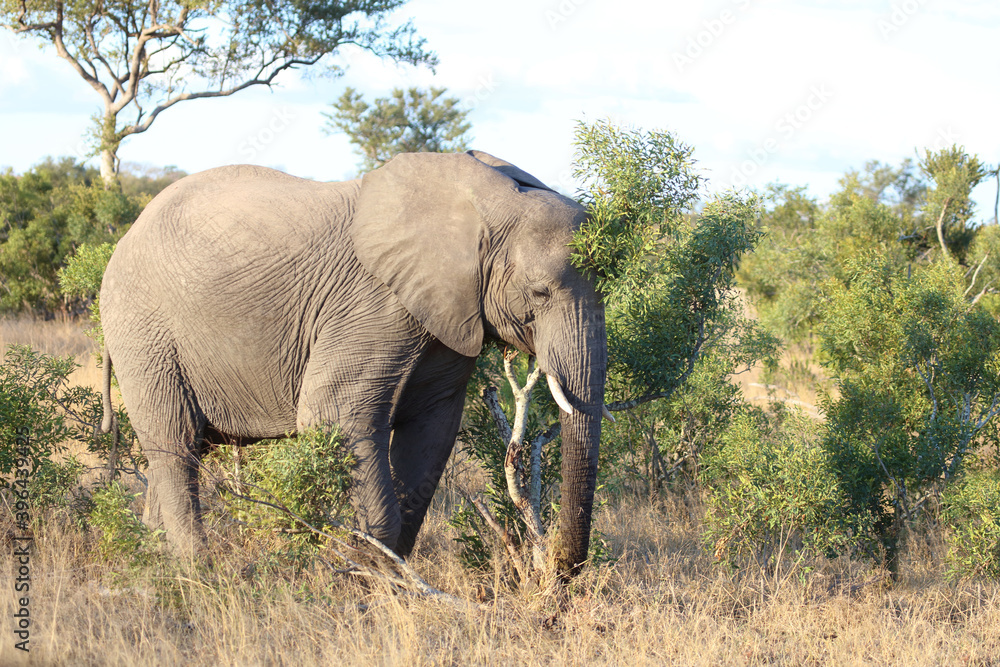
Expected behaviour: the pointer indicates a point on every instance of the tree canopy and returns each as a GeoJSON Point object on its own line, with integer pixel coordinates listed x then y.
{"type": "Point", "coordinates": [409, 121]}
{"type": "Point", "coordinates": [147, 57]}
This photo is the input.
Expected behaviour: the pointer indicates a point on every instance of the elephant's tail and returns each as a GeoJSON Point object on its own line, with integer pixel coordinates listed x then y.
{"type": "Point", "coordinates": [106, 392]}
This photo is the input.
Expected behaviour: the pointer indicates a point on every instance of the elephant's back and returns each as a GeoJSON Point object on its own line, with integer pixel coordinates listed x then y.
{"type": "Point", "coordinates": [242, 209]}
{"type": "Point", "coordinates": [229, 269]}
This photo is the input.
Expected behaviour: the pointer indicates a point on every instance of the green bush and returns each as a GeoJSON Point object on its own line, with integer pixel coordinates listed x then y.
{"type": "Point", "coordinates": [972, 518]}
{"type": "Point", "coordinates": [48, 213]}
{"type": "Point", "coordinates": [30, 387]}
{"type": "Point", "coordinates": [123, 537]}
{"type": "Point", "coordinates": [81, 279]}
{"type": "Point", "coordinates": [772, 492]}
{"type": "Point", "coordinates": [37, 399]}
{"type": "Point", "coordinates": [57, 486]}
{"type": "Point", "coordinates": [308, 475]}
{"type": "Point", "coordinates": [918, 369]}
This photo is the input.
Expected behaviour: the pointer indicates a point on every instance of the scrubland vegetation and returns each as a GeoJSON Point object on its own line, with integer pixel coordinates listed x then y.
{"type": "Point", "coordinates": [803, 469]}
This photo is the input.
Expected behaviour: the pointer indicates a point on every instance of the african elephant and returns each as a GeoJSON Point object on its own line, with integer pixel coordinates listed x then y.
{"type": "Point", "coordinates": [247, 304]}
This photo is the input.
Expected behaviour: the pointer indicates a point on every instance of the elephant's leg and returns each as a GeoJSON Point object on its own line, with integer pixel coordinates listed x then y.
{"type": "Point", "coordinates": [356, 385]}
{"type": "Point", "coordinates": [428, 419]}
{"type": "Point", "coordinates": [168, 425]}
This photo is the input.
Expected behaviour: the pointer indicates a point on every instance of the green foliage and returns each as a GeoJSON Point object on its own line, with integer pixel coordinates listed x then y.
{"type": "Point", "coordinates": [81, 278]}
{"type": "Point", "coordinates": [900, 188]}
{"type": "Point", "coordinates": [123, 537]}
{"type": "Point", "coordinates": [473, 552]}
{"type": "Point", "coordinates": [806, 245]}
{"type": "Point", "coordinates": [972, 516]}
{"type": "Point", "coordinates": [30, 383]}
{"type": "Point", "coordinates": [636, 185]}
{"type": "Point", "coordinates": [660, 443]}
{"type": "Point", "coordinates": [35, 396]}
{"type": "Point", "coordinates": [984, 268]}
{"type": "Point", "coordinates": [46, 215]}
{"type": "Point", "coordinates": [772, 492]}
{"type": "Point", "coordinates": [410, 121]}
{"type": "Point", "coordinates": [918, 369]}
{"type": "Point", "coordinates": [219, 47]}
{"type": "Point", "coordinates": [949, 203]}
{"type": "Point", "coordinates": [892, 210]}
{"type": "Point", "coordinates": [308, 475]}
{"type": "Point", "coordinates": [668, 282]}
{"type": "Point", "coordinates": [57, 485]}
{"type": "Point", "coordinates": [681, 300]}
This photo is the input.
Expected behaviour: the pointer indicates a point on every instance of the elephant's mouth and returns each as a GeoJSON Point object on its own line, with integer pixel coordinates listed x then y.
{"type": "Point", "coordinates": [529, 338]}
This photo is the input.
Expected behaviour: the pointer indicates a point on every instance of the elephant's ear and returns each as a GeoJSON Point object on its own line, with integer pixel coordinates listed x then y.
{"type": "Point", "coordinates": [522, 177]}
{"type": "Point", "coordinates": [419, 227]}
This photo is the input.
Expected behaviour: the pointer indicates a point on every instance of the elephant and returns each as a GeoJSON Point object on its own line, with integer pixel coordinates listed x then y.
{"type": "Point", "coordinates": [246, 304]}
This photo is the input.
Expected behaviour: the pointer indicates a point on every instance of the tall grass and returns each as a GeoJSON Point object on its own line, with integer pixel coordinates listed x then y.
{"type": "Point", "coordinates": [663, 602]}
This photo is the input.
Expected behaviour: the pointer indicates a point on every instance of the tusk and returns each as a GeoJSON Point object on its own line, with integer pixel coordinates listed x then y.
{"type": "Point", "coordinates": [607, 414]}
{"type": "Point", "coordinates": [557, 393]}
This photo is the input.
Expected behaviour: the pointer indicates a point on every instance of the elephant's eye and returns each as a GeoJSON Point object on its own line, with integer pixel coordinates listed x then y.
{"type": "Point", "coordinates": [539, 293]}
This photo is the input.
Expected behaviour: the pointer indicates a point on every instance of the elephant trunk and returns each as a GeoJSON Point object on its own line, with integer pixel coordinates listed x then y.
{"type": "Point", "coordinates": [581, 368]}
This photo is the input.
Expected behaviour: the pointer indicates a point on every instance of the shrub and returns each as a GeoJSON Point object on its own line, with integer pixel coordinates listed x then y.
{"type": "Point", "coordinates": [972, 517]}
{"type": "Point", "coordinates": [30, 384]}
{"type": "Point", "coordinates": [122, 535]}
{"type": "Point", "coordinates": [772, 490]}
{"type": "Point", "coordinates": [918, 368]}
{"type": "Point", "coordinates": [295, 479]}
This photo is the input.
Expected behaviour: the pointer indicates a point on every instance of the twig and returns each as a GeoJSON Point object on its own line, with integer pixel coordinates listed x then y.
{"type": "Point", "coordinates": [405, 576]}
{"type": "Point", "coordinates": [505, 537]}
{"type": "Point", "coordinates": [976, 275]}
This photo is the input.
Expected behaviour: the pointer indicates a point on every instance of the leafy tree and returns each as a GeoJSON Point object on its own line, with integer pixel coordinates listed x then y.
{"type": "Point", "coordinates": [667, 282]}
{"type": "Point", "coordinates": [972, 516]}
{"type": "Point", "coordinates": [918, 369]}
{"type": "Point", "coordinates": [410, 121]}
{"type": "Point", "coordinates": [143, 58]}
{"type": "Point", "coordinates": [900, 188]}
{"type": "Point", "coordinates": [949, 205]}
{"type": "Point", "coordinates": [667, 279]}
{"type": "Point", "coordinates": [47, 214]}
{"type": "Point", "coordinates": [807, 244]}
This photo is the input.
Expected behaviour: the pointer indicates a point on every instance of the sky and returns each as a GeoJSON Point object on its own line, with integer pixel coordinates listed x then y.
{"type": "Point", "coordinates": [797, 92]}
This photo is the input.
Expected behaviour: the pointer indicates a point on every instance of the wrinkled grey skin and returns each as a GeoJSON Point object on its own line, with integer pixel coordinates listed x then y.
{"type": "Point", "coordinates": [245, 304]}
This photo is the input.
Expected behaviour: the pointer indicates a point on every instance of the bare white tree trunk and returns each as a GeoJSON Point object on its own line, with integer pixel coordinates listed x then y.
{"type": "Point", "coordinates": [109, 167]}
{"type": "Point", "coordinates": [523, 488]}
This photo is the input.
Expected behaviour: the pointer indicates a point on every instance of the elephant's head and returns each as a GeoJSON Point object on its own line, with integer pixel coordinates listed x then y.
{"type": "Point", "coordinates": [473, 247]}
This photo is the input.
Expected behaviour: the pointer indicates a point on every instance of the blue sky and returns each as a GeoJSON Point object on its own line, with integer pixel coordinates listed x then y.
{"type": "Point", "coordinates": [764, 90]}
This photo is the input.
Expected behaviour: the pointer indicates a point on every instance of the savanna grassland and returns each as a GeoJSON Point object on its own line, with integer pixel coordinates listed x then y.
{"type": "Point", "coordinates": [662, 599]}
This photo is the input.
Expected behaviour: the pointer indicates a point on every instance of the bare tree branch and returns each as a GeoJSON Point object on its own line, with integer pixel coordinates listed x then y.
{"type": "Point", "coordinates": [940, 226]}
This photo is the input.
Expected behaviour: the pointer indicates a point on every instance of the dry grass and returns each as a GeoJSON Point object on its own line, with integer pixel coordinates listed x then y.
{"type": "Point", "coordinates": [664, 602]}
{"type": "Point", "coordinates": [794, 382]}
{"type": "Point", "coordinates": [61, 337]}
